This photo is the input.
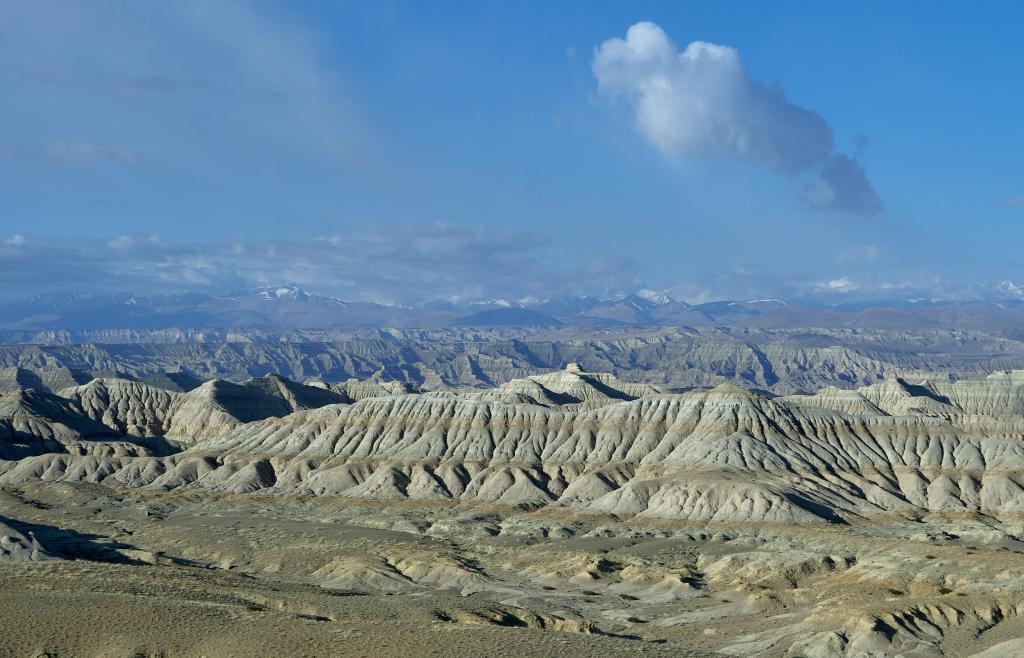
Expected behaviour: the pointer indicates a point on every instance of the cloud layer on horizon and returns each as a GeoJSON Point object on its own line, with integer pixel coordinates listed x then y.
{"type": "Point", "coordinates": [428, 262]}
{"type": "Point", "coordinates": [701, 102]}
{"type": "Point", "coordinates": [432, 263]}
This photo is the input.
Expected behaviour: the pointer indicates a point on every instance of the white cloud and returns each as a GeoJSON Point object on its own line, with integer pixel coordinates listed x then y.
{"type": "Point", "coordinates": [429, 262]}
{"type": "Point", "coordinates": [1014, 202]}
{"type": "Point", "coordinates": [1010, 288]}
{"type": "Point", "coordinates": [135, 242]}
{"type": "Point", "coordinates": [701, 102]}
{"type": "Point", "coordinates": [842, 284]}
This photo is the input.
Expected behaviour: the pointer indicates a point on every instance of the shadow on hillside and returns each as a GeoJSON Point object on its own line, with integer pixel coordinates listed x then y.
{"type": "Point", "coordinates": [148, 446]}
{"type": "Point", "coordinates": [73, 545]}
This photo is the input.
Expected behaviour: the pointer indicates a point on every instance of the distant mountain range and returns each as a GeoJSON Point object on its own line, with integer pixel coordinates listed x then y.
{"type": "Point", "coordinates": [289, 307]}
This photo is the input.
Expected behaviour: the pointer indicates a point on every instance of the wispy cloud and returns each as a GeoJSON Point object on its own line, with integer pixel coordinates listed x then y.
{"type": "Point", "coordinates": [69, 153]}
{"type": "Point", "coordinates": [430, 262]}
{"type": "Point", "coordinates": [239, 71]}
{"type": "Point", "coordinates": [702, 102]}
{"type": "Point", "coordinates": [425, 262]}
{"type": "Point", "coordinates": [864, 287]}
{"type": "Point", "coordinates": [1014, 202]}
{"type": "Point", "coordinates": [858, 254]}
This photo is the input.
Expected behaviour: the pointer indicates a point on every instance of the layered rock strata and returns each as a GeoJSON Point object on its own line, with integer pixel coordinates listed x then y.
{"type": "Point", "coordinates": [578, 441]}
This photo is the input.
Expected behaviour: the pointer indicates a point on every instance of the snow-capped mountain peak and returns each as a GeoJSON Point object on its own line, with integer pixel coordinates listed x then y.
{"type": "Point", "coordinates": [653, 296]}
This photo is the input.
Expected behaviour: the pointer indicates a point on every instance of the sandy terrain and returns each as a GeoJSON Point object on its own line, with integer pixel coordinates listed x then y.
{"type": "Point", "coordinates": [134, 573]}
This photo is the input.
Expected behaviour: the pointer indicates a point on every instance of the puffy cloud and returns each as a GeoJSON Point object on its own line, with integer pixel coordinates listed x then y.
{"type": "Point", "coordinates": [843, 185]}
{"type": "Point", "coordinates": [702, 102]}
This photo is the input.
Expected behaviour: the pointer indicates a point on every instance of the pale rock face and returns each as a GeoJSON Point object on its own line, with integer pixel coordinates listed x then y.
{"type": "Point", "coordinates": [131, 408]}
{"type": "Point", "coordinates": [783, 361]}
{"type": "Point", "coordinates": [32, 422]}
{"type": "Point", "coordinates": [13, 379]}
{"type": "Point", "coordinates": [354, 390]}
{"type": "Point", "coordinates": [572, 386]}
{"type": "Point", "coordinates": [136, 409]}
{"type": "Point", "coordinates": [119, 417]}
{"type": "Point", "coordinates": [363, 571]}
{"type": "Point", "coordinates": [15, 546]}
{"type": "Point", "coordinates": [724, 454]}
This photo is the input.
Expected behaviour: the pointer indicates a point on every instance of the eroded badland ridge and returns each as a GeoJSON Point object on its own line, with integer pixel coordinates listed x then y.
{"type": "Point", "coordinates": [782, 361]}
{"type": "Point", "coordinates": [567, 511]}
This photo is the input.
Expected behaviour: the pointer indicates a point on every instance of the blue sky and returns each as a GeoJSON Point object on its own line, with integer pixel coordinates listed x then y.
{"type": "Point", "coordinates": [403, 151]}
